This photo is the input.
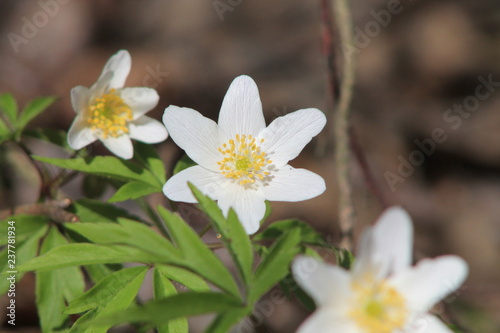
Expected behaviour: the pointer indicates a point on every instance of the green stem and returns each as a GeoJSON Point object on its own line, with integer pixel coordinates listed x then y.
{"type": "Point", "coordinates": [66, 178]}
{"type": "Point", "coordinates": [215, 246]}
{"type": "Point", "coordinates": [62, 177]}
{"type": "Point", "coordinates": [205, 230]}
{"type": "Point", "coordinates": [42, 172]}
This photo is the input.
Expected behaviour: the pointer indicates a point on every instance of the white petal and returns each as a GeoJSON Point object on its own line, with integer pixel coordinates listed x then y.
{"type": "Point", "coordinates": [426, 323]}
{"type": "Point", "coordinates": [393, 234]}
{"type": "Point", "coordinates": [327, 284]}
{"type": "Point", "coordinates": [197, 135]}
{"type": "Point", "coordinates": [79, 135]}
{"type": "Point", "coordinates": [119, 64]}
{"type": "Point", "coordinates": [290, 184]}
{"type": "Point", "coordinates": [208, 182]}
{"type": "Point", "coordinates": [120, 146]}
{"type": "Point", "coordinates": [430, 281]}
{"type": "Point", "coordinates": [147, 130]}
{"type": "Point", "coordinates": [80, 98]}
{"type": "Point", "coordinates": [386, 248]}
{"type": "Point", "coordinates": [140, 100]}
{"type": "Point", "coordinates": [328, 321]}
{"type": "Point", "coordinates": [286, 136]}
{"type": "Point", "coordinates": [101, 86]}
{"type": "Point", "coordinates": [249, 205]}
{"type": "Point", "coordinates": [241, 111]}
{"type": "Point", "coordinates": [366, 265]}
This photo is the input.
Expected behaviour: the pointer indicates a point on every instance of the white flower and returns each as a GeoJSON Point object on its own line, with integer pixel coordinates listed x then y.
{"type": "Point", "coordinates": [241, 162]}
{"type": "Point", "coordinates": [113, 114]}
{"type": "Point", "coordinates": [382, 293]}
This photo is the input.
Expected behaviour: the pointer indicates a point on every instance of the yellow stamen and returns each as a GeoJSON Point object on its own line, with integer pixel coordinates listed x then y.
{"type": "Point", "coordinates": [378, 307]}
{"type": "Point", "coordinates": [109, 115]}
{"type": "Point", "coordinates": [243, 160]}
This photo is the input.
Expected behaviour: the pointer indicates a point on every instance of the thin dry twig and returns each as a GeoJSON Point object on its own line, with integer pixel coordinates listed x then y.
{"type": "Point", "coordinates": [367, 171]}
{"type": "Point", "coordinates": [52, 208]}
{"type": "Point", "coordinates": [328, 49]}
{"type": "Point", "coordinates": [341, 125]}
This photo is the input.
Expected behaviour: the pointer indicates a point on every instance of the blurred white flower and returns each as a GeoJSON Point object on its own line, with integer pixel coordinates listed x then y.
{"type": "Point", "coordinates": [241, 162]}
{"type": "Point", "coordinates": [382, 293]}
{"type": "Point", "coordinates": [113, 114]}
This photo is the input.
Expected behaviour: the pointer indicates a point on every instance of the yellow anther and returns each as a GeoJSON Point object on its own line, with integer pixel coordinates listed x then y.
{"type": "Point", "coordinates": [243, 160]}
{"type": "Point", "coordinates": [378, 307]}
{"type": "Point", "coordinates": [109, 115]}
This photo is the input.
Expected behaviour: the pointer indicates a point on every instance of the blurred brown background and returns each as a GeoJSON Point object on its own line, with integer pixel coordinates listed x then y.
{"type": "Point", "coordinates": [425, 111]}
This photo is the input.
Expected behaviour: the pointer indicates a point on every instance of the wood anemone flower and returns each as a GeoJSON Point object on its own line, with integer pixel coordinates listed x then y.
{"type": "Point", "coordinates": [383, 293]}
{"type": "Point", "coordinates": [113, 114]}
{"type": "Point", "coordinates": [241, 162]}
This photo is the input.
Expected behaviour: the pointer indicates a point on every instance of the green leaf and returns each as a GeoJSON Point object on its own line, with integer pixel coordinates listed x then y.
{"type": "Point", "coordinates": [93, 186]}
{"type": "Point", "coordinates": [73, 283]}
{"type": "Point", "coordinates": [106, 289]}
{"type": "Point", "coordinates": [345, 258]}
{"type": "Point", "coordinates": [233, 234]}
{"type": "Point", "coordinates": [56, 137]}
{"type": "Point", "coordinates": [307, 234]}
{"type": "Point", "coordinates": [267, 213]}
{"type": "Point", "coordinates": [127, 232]}
{"type": "Point", "coordinates": [33, 109]}
{"type": "Point", "coordinates": [289, 286]}
{"type": "Point", "coordinates": [224, 321]}
{"type": "Point", "coordinates": [148, 239]}
{"type": "Point", "coordinates": [108, 166]}
{"type": "Point", "coordinates": [4, 131]}
{"type": "Point", "coordinates": [97, 272]}
{"type": "Point", "coordinates": [25, 226]}
{"type": "Point", "coordinates": [9, 107]}
{"type": "Point", "coordinates": [261, 250]}
{"type": "Point", "coordinates": [198, 256]}
{"type": "Point", "coordinates": [55, 288]}
{"type": "Point", "coordinates": [112, 295]}
{"type": "Point", "coordinates": [190, 280]}
{"type": "Point", "coordinates": [275, 266]}
{"type": "Point", "coordinates": [96, 211]}
{"type": "Point", "coordinates": [78, 326]}
{"type": "Point", "coordinates": [184, 163]}
{"type": "Point", "coordinates": [49, 300]}
{"type": "Point", "coordinates": [310, 252]}
{"type": "Point", "coordinates": [133, 190]}
{"type": "Point", "coordinates": [239, 245]}
{"type": "Point", "coordinates": [88, 254]}
{"type": "Point", "coordinates": [146, 153]}
{"type": "Point", "coordinates": [455, 328]}
{"type": "Point", "coordinates": [187, 304]}
{"type": "Point", "coordinates": [162, 289]}
{"type": "Point", "coordinates": [24, 251]}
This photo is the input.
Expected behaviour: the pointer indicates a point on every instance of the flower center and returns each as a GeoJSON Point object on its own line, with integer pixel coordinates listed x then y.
{"type": "Point", "coordinates": [243, 164]}
{"type": "Point", "coordinates": [243, 160]}
{"type": "Point", "coordinates": [378, 308]}
{"type": "Point", "coordinates": [109, 115]}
